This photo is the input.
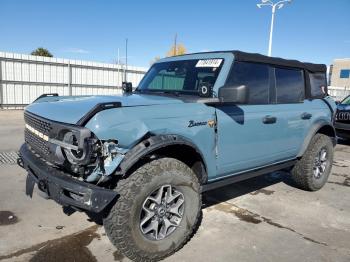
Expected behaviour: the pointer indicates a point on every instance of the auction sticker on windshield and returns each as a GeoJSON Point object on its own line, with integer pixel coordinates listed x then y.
{"type": "Point", "coordinates": [209, 63]}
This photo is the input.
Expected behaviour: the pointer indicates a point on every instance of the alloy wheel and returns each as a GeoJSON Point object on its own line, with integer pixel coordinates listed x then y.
{"type": "Point", "coordinates": [162, 212]}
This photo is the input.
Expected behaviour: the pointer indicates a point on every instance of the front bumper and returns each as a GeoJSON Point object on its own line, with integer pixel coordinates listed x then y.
{"type": "Point", "coordinates": [62, 187]}
{"type": "Point", "coordinates": [342, 130]}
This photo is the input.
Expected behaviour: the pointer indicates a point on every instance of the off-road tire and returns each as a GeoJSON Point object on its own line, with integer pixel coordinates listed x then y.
{"type": "Point", "coordinates": [302, 172]}
{"type": "Point", "coordinates": [122, 223]}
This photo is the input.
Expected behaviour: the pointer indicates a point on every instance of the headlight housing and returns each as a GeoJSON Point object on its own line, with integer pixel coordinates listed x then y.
{"type": "Point", "coordinates": [72, 147]}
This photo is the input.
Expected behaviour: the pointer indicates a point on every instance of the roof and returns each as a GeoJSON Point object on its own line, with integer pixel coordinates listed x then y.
{"type": "Point", "coordinates": [250, 57]}
{"type": "Point", "coordinates": [258, 58]}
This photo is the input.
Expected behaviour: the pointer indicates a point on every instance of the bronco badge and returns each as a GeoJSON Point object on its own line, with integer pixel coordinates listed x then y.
{"type": "Point", "coordinates": [210, 123]}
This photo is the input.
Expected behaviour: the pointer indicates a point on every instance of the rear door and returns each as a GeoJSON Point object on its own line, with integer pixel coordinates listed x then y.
{"type": "Point", "coordinates": [268, 128]}
{"type": "Point", "coordinates": [291, 108]}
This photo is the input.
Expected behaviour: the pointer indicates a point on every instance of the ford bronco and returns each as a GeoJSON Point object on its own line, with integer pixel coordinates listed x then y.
{"type": "Point", "coordinates": [195, 122]}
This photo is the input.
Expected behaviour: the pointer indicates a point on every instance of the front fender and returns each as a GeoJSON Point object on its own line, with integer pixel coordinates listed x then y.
{"type": "Point", "coordinates": [131, 125]}
{"type": "Point", "coordinates": [150, 145]}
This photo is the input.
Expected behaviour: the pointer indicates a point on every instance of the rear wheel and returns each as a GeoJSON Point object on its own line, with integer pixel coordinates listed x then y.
{"type": "Point", "coordinates": [312, 171]}
{"type": "Point", "coordinates": [158, 209]}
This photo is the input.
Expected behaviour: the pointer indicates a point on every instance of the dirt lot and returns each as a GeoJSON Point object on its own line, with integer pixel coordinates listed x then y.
{"type": "Point", "coordinates": [262, 219]}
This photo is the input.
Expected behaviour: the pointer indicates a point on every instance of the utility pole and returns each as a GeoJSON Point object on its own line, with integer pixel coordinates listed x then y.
{"type": "Point", "coordinates": [175, 45]}
{"type": "Point", "coordinates": [126, 60]}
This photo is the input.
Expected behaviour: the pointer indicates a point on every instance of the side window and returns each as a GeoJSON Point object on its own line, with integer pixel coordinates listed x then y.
{"type": "Point", "coordinates": [318, 84]}
{"type": "Point", "coordinates": [255, 77]}
{"type": "Point", "coordinates": [290, 86]}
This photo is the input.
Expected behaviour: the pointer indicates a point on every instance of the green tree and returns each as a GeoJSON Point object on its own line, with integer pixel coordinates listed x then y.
{"type": "Point", "coordinates": [41, 52]}
{"type": "Point", "coordinates": [179, 50]}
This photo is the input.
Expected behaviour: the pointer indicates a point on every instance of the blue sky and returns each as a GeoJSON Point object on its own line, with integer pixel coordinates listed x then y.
{"type": "Point", "coordinates": [309, 30]}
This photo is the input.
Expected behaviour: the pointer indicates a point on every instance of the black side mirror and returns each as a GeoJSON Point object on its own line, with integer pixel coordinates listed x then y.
{"type": "Point", "coordinates": [127, 87]}
{"type": "Point", "coordinates": [337, 102]}
{"type": "Point", "coordinates": [233, 94]}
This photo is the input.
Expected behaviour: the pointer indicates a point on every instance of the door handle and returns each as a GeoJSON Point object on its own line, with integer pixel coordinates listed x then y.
{"type": "Point", "coordinates": [269, 119]}
{"type": "Point", "coordinates": [306, 116]}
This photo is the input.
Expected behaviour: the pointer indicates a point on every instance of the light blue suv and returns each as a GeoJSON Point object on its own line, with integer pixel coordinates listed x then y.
{"type": "Point", "coordinates": [196, 122]}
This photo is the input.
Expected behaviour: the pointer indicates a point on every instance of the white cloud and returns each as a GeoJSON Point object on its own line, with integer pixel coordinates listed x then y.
{"type": "Point", "coordinates": [77, 51]}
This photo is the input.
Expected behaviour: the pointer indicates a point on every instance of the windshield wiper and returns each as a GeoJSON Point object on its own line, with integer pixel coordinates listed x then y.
{"type": "Point", "coordinates": [175, 93]}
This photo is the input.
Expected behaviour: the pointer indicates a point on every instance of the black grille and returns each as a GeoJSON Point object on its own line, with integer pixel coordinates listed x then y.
{"type": "Point", "coordinates": [343, 117]}
{"type": "Point", "coordinates": [38, 144]}
{"type": "Point", "coordinates": [37, 123]}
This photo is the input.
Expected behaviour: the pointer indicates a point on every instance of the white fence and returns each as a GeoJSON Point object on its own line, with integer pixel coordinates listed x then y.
{"type": "Point", "coordinates": [23, 78]}
{"type": "Point", "coordinates": [338, 93]}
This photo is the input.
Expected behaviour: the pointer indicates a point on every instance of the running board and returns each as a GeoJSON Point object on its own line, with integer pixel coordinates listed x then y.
{"type": "Point", "coordinates": [243, 176]}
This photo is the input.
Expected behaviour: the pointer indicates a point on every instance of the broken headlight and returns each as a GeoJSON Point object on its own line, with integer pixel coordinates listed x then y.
{"type": "Point", "coordinates": [76, 149]}
{"type": "Point", "coordinates": [76, 155]}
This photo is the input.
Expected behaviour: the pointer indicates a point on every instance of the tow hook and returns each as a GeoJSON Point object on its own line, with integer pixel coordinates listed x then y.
{"type": "Point", "coordinates": [20, 161]}
{"type": "Point", "coordinates": [42, 185]}
{"type": "Point", "coordinates": [43, 189]}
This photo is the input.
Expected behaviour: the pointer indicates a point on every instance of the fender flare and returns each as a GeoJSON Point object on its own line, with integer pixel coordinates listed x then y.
{"type": "Point", "coordinates": [150, 145]}
{"type": "Point", "coordinates": [314, 130]}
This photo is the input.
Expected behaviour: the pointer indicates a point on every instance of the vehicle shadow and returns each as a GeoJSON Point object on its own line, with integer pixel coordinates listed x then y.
{"type": "Point", "coordinates": [252, 186]}
{"type": "Point", "coordinates": [343, 142]}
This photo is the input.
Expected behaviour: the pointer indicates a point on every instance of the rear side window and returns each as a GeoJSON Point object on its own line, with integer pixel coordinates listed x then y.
{"type": "Point", "coordinates": [318, 84]}
{"type": "Point", "coordinates": [255, 77]}
{"type": "Point", "coordinates": [289, 85]}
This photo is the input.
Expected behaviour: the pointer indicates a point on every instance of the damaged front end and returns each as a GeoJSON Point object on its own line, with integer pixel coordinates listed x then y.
{"type": "Point", "coordinates": [110, 156]}
{"type": "Point", "coordinates": [73, 148]}
{"type": "Point", "coordinates": [68, 163]}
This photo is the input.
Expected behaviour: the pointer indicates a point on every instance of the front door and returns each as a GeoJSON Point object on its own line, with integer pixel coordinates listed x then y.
{"type": "Point", "coordinates": [252, 136]}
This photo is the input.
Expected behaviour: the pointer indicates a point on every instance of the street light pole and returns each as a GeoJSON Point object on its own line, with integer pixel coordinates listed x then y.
{"type": "Point", "coordinates": [271, 29]}
{"type": "Point", "coordinates": [277, 5]}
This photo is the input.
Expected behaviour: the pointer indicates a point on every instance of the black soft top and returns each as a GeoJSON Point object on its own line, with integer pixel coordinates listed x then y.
{"type": "Point", "coordinates": [258, 58]}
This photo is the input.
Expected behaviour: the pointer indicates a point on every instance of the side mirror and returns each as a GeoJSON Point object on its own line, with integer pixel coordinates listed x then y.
{"type": "Point", "coordinates": [337, 102]}
{"type": "Point", "coordinates": [127, 87]}
{"type": "Point", "coordinates": [233, 94]}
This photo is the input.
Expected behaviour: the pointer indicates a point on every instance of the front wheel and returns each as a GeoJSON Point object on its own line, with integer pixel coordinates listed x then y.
{"type": "Point", "coordinates": [312, 171]}
{"type": "Point", "coordinates": [158, 209]}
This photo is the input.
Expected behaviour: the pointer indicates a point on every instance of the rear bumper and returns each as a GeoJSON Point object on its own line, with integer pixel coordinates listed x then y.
{"type": "Point", "coordinates": [61, 187]}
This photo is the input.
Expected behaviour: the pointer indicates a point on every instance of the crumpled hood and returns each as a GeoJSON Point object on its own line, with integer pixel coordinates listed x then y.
{"type": "Point", "coordinates": [71, 109]}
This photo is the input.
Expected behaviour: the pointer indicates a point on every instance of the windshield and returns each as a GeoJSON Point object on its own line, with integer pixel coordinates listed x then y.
{"type": "Point", "coordinates": [346, 101]}
{"type": "Point", "coordinates": [184, 76]}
